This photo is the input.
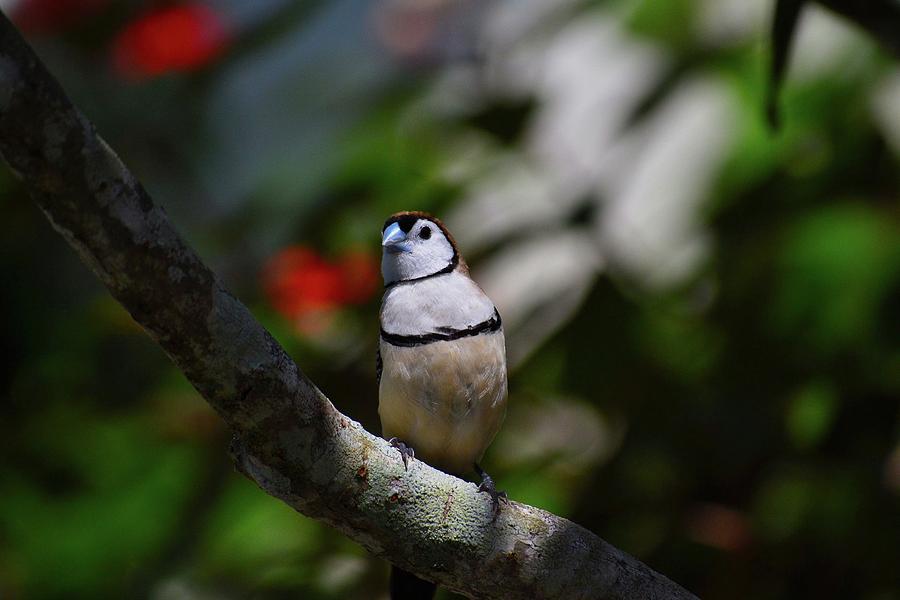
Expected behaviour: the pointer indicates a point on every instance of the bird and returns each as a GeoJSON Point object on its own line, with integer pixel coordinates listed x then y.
{"type": "Point", "coordinates": [441, 362]}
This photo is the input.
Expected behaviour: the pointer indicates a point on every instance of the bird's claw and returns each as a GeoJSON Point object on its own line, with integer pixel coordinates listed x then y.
{"type": "Point", "coordinates": [406, 451]}
{"type": "Point", "coordinates": [497, 496]}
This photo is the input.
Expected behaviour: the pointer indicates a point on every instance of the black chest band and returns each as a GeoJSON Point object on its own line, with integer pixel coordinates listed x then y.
{"type": "Point", "coordinates": [444, 334]}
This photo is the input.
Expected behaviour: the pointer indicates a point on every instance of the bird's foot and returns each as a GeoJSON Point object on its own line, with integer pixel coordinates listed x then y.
{"type": "Point", "coordinates": [487, 486]}
{"type": "Point", "coordinates": [406, 452]}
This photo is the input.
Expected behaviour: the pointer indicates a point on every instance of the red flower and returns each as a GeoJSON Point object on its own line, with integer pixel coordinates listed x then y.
{"type": "Point", "coordinates": [306, 288]}
{"type": "Point", "coordinates": [720, 527]}
{"type": "Point", "coordinates": [45, 16]}
{"type": "Point", "coordinates": [170, 39]}
{"type": "Point", "coordinates": [360, 274]}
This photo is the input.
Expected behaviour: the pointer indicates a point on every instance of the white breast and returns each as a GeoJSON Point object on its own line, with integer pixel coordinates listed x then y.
{"type": "Point", "coordinates": [452, 300]}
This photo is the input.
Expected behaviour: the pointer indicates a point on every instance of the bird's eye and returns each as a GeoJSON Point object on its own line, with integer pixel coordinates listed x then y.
{"type": "Point", "coordinates": [425, 232]}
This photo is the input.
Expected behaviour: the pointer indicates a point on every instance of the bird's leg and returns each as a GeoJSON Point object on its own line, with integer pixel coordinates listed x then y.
{"type": "Point", "coordinates": [487, 486]}
{"type": "Point", "coordinates": [406, 451]}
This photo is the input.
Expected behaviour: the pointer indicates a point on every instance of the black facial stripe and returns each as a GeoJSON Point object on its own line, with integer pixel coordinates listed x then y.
{"type": "Point", "coordinates": [405, 222]}
{"type": "Point", "coordinates": [448, 269]}
{"type": "Point", "coordinates": [446, 334]}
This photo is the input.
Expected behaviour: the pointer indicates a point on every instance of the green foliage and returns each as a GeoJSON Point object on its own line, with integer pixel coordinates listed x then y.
{"type": "Point", "coordinates": [836, 267]}
{"type": "Point", "coordinates": [669, 22]}
{"type": "Point", "coordinates": [252, 537]}
{"type": "Point", "coordinates": [111, 495]}
{"type": "Point", "coordinates": [811, 414]}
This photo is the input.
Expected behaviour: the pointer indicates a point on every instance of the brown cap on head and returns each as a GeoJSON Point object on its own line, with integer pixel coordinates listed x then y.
{"type": "Point", "coordinates": [407, 218]}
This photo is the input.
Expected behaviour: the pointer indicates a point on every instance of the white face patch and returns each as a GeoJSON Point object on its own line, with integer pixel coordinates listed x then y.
{"type": "Point", "coordinates": [425, 251]}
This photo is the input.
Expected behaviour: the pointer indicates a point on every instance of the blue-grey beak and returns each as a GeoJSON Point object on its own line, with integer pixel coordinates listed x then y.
{"type": "Point", "coordinates": [394, 240]}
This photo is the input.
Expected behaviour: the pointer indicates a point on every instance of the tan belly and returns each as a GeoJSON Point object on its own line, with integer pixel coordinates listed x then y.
{"type": "Point", "coordinates": [446, 399]}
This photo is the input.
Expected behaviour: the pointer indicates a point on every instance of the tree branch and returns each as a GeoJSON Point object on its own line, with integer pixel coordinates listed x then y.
{"type": "Point", "coordinates": [289, 438]}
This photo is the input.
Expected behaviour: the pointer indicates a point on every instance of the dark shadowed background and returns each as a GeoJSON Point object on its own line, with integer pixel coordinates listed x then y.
{"type": "Point", "coordinates": [702, 314]}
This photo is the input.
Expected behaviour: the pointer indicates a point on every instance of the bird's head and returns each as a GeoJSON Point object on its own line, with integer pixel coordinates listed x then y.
{"type": "Point", "coordinates": [416, 245]}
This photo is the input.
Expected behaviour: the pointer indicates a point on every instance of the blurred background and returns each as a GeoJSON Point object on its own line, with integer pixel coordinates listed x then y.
{"type": "Point", "coordinates": [702, 313]}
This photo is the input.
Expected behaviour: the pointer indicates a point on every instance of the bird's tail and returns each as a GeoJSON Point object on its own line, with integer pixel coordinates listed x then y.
{"type": "Point", "coordinates": [406, 586]}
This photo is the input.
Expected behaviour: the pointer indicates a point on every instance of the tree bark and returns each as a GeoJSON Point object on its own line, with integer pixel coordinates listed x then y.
{"type": "Point", "coordinates": [288, 437]}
